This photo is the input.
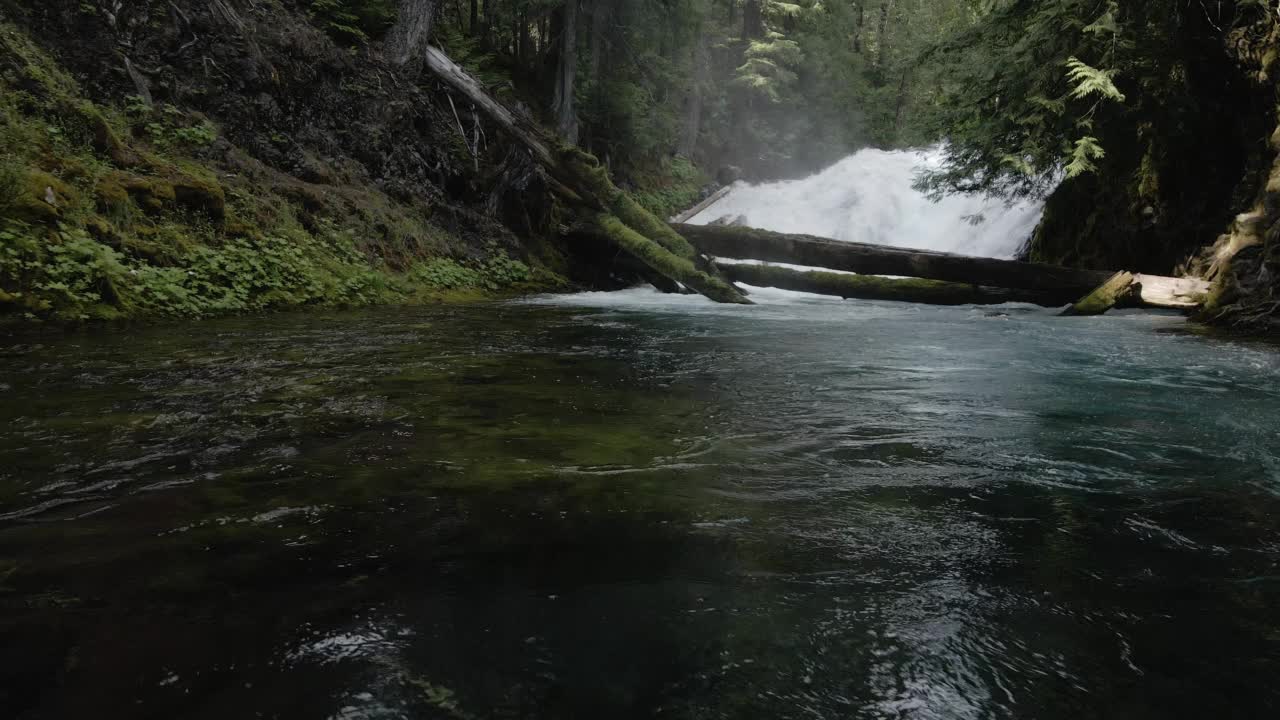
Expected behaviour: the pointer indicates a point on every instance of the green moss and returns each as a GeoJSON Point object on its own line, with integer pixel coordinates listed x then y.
{"type": "Point", "coordinates": [110, 194]}
{"type": "Point", "coordinates": [1107, 296]}
{"type": "Point", "coordinates": [670, 265]}
{"type": "Point", "coordinates": [40, 198]}
{"type": "Point", "coordinates": [201, 195]}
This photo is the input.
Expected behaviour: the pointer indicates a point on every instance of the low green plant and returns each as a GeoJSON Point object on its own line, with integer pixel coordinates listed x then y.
{"type": "Point", "coordinates": [497, 272]}
{"type": "Point", "coordinates": [446, 274]}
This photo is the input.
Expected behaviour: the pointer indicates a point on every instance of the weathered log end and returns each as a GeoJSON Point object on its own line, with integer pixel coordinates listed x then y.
{"type": "Point", "coordinates": [1120, 288]}
{"type": "Point", "coordinates": [1172, 293]}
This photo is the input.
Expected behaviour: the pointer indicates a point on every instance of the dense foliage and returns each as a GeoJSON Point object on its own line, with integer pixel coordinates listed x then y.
{"type": "Point", "coordinates": [1039, 89]}
{"type": "Point", "coordinates": [777, 88]}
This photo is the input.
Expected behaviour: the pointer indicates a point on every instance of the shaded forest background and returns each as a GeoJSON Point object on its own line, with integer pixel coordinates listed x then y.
{"type": "Point", "coordinates": [775, 88]}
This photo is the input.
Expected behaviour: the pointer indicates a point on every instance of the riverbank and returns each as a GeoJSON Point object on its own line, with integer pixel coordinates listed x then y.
{"type": "Point", "coordinates": [142, 208]}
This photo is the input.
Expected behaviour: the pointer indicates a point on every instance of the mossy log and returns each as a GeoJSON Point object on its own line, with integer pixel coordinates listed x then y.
{"type": "Point", "coordinates": [1052, 285]}
{"type": "Point", "coordinates": [621, 218]}
{"type": "Point", "coordinates": [872, 287]}
{"type": "Point", "coordinates": [666, 263]}
{"type": "Point", "coordinates": [1065, 284]}
{"type": "Point", "coordinates": [1117, 290]}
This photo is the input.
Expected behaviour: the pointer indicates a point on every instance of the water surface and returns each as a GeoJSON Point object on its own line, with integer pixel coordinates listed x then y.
{"type": "Point", "coordinates": [634, 506]}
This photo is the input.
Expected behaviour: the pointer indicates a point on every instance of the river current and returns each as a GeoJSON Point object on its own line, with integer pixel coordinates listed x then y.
{"type": "Point", "coordinates": [635, 505]}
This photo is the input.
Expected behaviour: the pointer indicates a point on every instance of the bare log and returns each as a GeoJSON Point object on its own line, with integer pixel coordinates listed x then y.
{"type": "Point", "coordinates": [696, 210]}
{"type": "Point", "coordinates": [873, 287]}
{"type": "Point", "coordinates": [1174, 293]}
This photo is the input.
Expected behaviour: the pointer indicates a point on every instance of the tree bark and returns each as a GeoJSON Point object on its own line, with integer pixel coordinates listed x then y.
{"type": "Point", "coordinates": [752, 20]}
{"type": "Point", "coordinates": [412, 30]}
{"type": "Point", "coordinates": [563, 104]}
{"type": "Point", "coordinates": [1116, 290]}
{"type": "Point", "coordinates": [600, 11]}
{"type": "Point", "coordinates": [903, 85]}
{"type": "Point", "coordinates": [858, 25]}
{"type": "Point", "coordinates": [1055, 285]}
{"type": "Point", "coordinates": [872, 287]}
{"type": "Point", "coordinates": [882, 38]}
{"type": "Point", "coordinates": [693, 112]}
{"type": "Point", "coordinates": [749, 243]}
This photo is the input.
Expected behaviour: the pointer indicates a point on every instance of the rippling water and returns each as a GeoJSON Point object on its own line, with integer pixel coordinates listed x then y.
{"type": "Point", "coordinates": [633, 505]}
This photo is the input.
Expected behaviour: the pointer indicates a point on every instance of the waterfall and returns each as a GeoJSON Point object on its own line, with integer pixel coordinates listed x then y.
{"type": "Point", "coordinates": [867, 197]}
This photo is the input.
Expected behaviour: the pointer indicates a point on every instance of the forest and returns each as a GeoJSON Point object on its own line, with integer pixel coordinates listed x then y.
{"type": "Point", "coordinates": [1146, 125]}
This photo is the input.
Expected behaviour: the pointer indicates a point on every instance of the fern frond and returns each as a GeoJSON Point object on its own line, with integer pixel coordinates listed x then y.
{"type": "Point", "coordinates": [1088, 80]}
{"type": "Point", "coordinates": [1086, 151]}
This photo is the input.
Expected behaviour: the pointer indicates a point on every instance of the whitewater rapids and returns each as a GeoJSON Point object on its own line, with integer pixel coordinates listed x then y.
{"type": "Point", "coordinates": [868, 197]}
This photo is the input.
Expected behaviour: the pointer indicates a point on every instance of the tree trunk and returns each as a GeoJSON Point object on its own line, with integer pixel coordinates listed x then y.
{"type": "Point", "coordinates": [1058, 285]}
{"type": "Point", "coordinates": [1111, 293]}
{"type": "Point", "coordinates": [563, 105]}
{"type": "Point", "coordinates": [600, 11]}
{"type": "Point", "coordinates": [693, 112]}
{"type": "Point", "coordinates": [752, 20]}
{"type": "Point", "coordinates": [872, 287]}
{"type": "Point", "coordinates": [474, 26]}
{"type": "Point", "coordinates": [409, 36]}
{"type": "Point", "coordinates": [858, 25]}
{"type": "Point", "coordinates": [882, 38]}
{"type": "Point", "coordinates": [526, 41]}
{"type": "Point", "coordinates": [903, 85]}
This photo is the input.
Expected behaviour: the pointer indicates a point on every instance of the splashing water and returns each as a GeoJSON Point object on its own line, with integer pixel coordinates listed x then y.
{"type": "Point", "coordinates": [867, 197]}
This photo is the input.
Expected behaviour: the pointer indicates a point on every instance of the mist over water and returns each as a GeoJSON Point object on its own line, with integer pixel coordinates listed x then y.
{"type": "Point", "coordinates": [867, 197]}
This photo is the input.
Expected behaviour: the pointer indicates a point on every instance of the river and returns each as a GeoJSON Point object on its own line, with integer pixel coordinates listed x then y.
{"type": "Point", "coordinates": [628, 505]}
{"type": "Point", "coordinates": [634, 505]}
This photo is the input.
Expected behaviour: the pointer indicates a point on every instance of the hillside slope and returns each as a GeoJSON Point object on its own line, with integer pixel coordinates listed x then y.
{"type": "Point", "coordinates": [194, 158]}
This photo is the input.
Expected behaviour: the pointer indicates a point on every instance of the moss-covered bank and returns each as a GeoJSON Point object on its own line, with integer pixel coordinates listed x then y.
{"type": "Point", "coordinates": [113, 204]}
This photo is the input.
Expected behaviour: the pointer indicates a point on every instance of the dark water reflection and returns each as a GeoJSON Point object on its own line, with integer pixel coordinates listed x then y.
{"type": "Point", "coordinates": [636, 510]}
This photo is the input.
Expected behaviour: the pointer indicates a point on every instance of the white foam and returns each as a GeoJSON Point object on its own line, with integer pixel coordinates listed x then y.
{"type": "Point", "coordinates": [867, 197]}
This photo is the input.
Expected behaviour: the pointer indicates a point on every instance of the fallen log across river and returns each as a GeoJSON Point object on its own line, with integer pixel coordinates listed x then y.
{"type": "Point", "coordinates": [1048, 285]}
